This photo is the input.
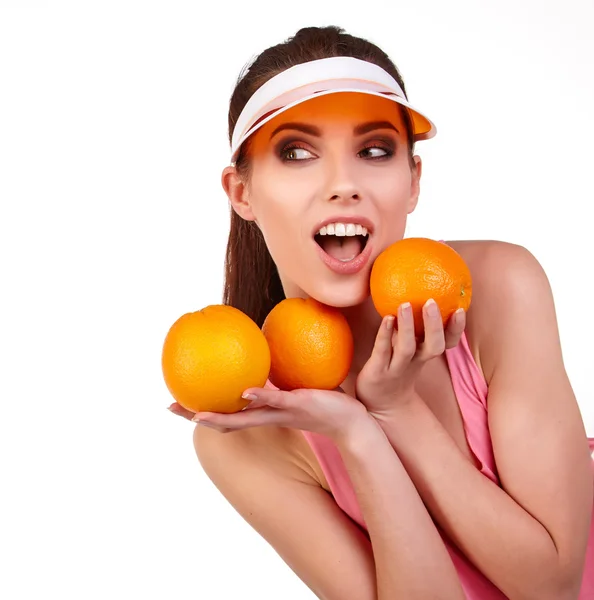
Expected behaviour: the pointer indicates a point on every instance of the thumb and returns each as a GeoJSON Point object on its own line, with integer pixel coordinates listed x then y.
{"type": "Point", "coordinates": [270, 386]}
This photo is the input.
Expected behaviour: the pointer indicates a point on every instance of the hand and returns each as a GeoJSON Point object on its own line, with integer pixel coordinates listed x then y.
{"type": "Point", "coordinates": [330, 413]}
{"type": "Point", "coordinates": [177, 409]}
{"type": "Point", "coordinates": [388, 378]}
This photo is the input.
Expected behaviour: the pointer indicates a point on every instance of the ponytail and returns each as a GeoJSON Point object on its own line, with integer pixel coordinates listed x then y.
{"type": "Point", "coordinates": [252, 283]}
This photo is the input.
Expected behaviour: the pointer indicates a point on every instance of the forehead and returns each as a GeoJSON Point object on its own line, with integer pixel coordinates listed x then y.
{"type": "Point", "coordinates": [341, 108]}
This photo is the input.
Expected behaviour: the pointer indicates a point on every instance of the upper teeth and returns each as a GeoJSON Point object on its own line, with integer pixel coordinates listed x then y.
{"type": "Point", "coordinates": [343, 229]}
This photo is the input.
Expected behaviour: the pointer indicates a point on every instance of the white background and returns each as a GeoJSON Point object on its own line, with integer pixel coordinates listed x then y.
{"type": "Point", "coordinates": [113, 224]}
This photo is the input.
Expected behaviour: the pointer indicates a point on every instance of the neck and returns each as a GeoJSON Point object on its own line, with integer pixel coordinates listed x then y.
{"type": "Point", "coordinates": [364, 322]}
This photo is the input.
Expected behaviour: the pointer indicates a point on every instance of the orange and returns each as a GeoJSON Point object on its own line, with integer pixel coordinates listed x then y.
{"type": "Point", "coordinates": [311, 345]}
{"type": "Point", "coordinates": [415, 270]}
{"type": "Point", "coordinates": [211, 356]}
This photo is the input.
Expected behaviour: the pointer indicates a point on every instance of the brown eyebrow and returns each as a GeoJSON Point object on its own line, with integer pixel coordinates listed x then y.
{"type": "Point", "coordinates": [316, 132]}
{"type": "Point", "coordinates": [309, 129]}
{"type": "Point", "coordinates": [373, 125]}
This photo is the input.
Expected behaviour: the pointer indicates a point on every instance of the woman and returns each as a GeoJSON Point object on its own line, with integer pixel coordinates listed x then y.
{"type": "Point", "coordinates": [404, 483]}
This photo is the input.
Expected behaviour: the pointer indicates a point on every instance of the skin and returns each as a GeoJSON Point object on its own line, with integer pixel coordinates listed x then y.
{"type": "Point", "coordinates": [288, 199]}
{"type": "Point", "coordinates": [541, 512]}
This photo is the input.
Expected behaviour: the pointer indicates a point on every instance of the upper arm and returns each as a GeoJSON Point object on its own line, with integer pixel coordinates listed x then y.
{"type": "Point", "coordinates": [538, 436]}
{"type": "Point", "coordinates": [296, 516]}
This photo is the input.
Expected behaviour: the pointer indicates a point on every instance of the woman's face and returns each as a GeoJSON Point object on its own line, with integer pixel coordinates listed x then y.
{"type": "Point", "coordinates": [336, 165]}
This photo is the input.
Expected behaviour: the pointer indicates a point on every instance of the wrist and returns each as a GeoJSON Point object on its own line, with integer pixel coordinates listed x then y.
{"type": "Point", "coordinates": [362, 428]}
{"type": "Point", "coordinates": [406, 404]}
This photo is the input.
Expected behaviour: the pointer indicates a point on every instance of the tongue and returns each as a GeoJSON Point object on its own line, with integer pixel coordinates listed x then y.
{"type": "Point", "coordinates": [343, 248]}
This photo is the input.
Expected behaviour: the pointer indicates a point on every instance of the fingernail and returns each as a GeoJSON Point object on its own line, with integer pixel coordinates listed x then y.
{"type": "Point", "coordinates": [432, 308]}
{"type": "Point", "coordinates": [251, 397]}
{"type": "Point", "coordinates": [389, 322]}
{"type": "Point", "coordinates": [459, 315]}
{"type": "Point", "coordinates": [201, 421]}
{"type": "Point", "coordinates": [405, 309]}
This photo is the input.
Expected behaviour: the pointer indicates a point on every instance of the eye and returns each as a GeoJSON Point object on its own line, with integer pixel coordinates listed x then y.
{"type": "Point", "coordinates": [295, 153]}
{"type": "Point", "coordinates": [374, 152]}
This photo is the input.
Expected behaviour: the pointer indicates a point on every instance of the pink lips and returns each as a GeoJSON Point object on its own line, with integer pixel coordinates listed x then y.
{"type": "Point", "coordinates": [346, 268]}
{"type": "Point", "coordinates": [358, 263]}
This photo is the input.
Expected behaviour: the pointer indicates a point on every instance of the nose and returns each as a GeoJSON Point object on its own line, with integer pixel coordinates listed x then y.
{"type": "Point", "coordinates": [342, 185]}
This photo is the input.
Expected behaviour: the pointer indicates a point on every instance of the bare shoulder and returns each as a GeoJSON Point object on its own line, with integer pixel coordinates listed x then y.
{"type": "Point", "coordinates": [502, 273]}
{"type": "Point", "coordinates": [283, 450]}
{"type": "Point", "coordinates": [262, 474]}
{"type": "Point", "coordinates": [480, 254]}
{"type": "Point", "coordinates": [490, 261]}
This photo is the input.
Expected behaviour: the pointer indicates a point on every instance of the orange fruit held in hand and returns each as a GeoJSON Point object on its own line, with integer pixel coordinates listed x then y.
{"type": "Point", "coordinates": [415, 270]}
{"type": "Point", "coordinates": [311, 345]}
{"type": "Point", "coordinates": [210, 357]}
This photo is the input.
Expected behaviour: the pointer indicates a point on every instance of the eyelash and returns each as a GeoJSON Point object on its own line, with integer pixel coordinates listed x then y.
{"type": "Point", "coordinates": [296, 146]}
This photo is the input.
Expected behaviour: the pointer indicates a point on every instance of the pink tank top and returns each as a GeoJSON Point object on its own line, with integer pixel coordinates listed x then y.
{"type": "Point", "coordinates": [471, 392]}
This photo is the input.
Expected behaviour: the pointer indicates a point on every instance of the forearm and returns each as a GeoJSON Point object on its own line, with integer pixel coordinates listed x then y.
{"type": "Point", "coordinates": [505, 542]}
{"type": "Point", "coordinates": [406, 544]}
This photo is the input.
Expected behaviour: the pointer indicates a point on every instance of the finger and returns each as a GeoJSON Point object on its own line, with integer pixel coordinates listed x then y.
{"type": "Point", "coordinates": [265, 396]}
{"type": "Point", "coordinates": [180, 411]}
{"type": "Point", "coordinates": [255, 400]}
{"type": "Point", "coordinates": [405, 344]}
{"type": "Point", "coordinates": [242, 419]}
{"type": "Point", "coordinates": [434, 342]}
{"type": "Point", "coordinates": [455, 328]}
{"type": "Point", "coordinates": [382, 348]}
{"type": "Point", "coordinates": [267, 407]}
{"type": "Point", "coordinates": [213, 426]}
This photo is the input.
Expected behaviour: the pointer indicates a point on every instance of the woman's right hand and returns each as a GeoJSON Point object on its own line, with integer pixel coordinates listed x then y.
{"type": "Point", "coordinates": [177, 409]}
{"type": "Point", "coordinates": [331, 413]}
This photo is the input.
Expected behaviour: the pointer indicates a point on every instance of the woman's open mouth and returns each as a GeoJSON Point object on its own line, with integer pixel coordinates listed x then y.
{"type": "Point", "coordinates": [343, 246]}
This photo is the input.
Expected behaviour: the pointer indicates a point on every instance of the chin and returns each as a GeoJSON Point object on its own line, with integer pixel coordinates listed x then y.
{"type": "Point", "coordinates": [352, 292]}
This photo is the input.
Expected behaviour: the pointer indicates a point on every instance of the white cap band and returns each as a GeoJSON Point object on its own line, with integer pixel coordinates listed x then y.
{"type": "Point", "coordinates": [317, 78]}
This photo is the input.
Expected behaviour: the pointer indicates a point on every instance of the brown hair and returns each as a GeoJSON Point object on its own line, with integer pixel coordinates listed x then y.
{"type": "Point", "coordinates": [252, 283]}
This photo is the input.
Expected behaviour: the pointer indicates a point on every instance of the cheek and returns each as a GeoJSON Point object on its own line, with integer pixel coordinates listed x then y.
{"type": "Point", "coordinates": [280, 198]}
{"type": "Point", "coordinates": [279, 220]}
{"type": "Point", "coordinates": [393, 188]}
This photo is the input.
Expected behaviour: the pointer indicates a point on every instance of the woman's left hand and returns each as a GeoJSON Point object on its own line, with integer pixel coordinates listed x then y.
{"type": "Point", "coordinates": [388, 378]}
